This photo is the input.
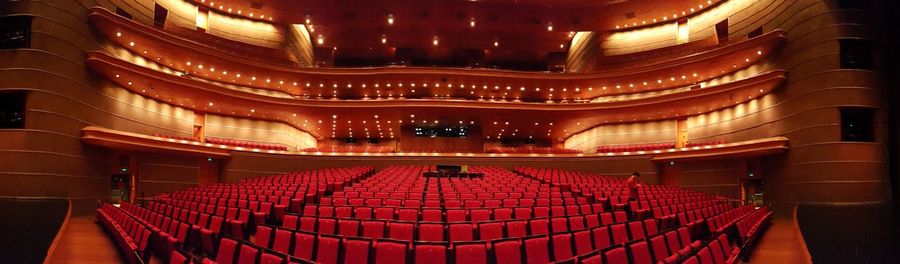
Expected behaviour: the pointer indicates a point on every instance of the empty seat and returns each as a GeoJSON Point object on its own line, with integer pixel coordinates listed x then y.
{"type": "Point", "coordinates": [432, 215]}
{"type": "Point", "coordinates": [356, 250]}
{"type": "Point", "coordinates": [503, 213]}
{"type": "Point", "coordinates": [474, 252]}
{"type": "Point", "coordinates": [507, 251]}
{"type": "Point", "coordinates": [615, 255]}
{"type": "Point", "coordinates": [401, 230]}
{"type": "Point", "coordinates": [263, 236]}
{"type": "Point", "coordinates": [328, 248]}
{"type": "Point", "coordinates": [619, 233]}
{"type": "Point", "coordinates": [583, 242]}
{"type": "Point", "coordinates": [308, 223]}
{"type": "Point", "coordinates": [270, 258]}
{"type": "Point", "coordinates": [640, 253]}
{"type": "Point", "coordinates": [282, 241]}
{"type": "Point", "coordinates": [601, 237]}
{"type": "Point", "coordinates": [227, 250]}
{"type": "Point", "coordinates": [373, 229]}
{"type": "Point", "coordinates": [248, 254]}
{"type": "Point", "coordinates": [431, 232]}
{"type": "Point", "coordinates": [636, 229]}
{"type": "Point", "coordinates": [348, 227]}
{"type": "Point", "coordinates": [537, 250]}
{"type": "Point", "coordinates": [562, 246]}
{"type": "Point", "coordinates": [516, 228]}
{"type": "Point", "coordinates": [660, 249]}
{"type": "Point", "coordinates": [384, 213]}
{"type": "Point", "coordinates": [303, 245]}
{"type": "Point", "coordinates": [539, 226]}
{"type": "Point", "coordinates": [461, 232]}
{"type": "Point", "coordinates": [407, 214]}
{"type": "Point", "coordinates": [430, 253]}
{"type": "Point", "coordinates": [559, 224]}
{"type": "Point", "coordinates": [390, 251]}
{"type": "Point", "coordinates": [363, 212]}
{"type": "Point", "coordinates": [327, 225]}
{"type": "Point", "coordinates": [480, 215]}
{"type": "Point", "coordinates": [522, 212]}
{"type": "Point", "coordinates": [456, 215]}
{"type": "Point", "coordinates": [490, 230]}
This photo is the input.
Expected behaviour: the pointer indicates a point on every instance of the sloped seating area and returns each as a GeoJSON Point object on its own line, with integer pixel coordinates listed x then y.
{"type": "Point", "coordinates": [532, 150]}
{"type": "Point", "coordinates": [396, 215]}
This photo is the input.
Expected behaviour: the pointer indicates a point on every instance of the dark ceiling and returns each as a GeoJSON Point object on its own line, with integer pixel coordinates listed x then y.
{"type": "Point", "coordinates": [507, 34]}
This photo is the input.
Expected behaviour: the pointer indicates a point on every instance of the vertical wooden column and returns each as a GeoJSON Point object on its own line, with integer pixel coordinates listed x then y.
{"type": "Point", "coordinates": [199, 133]}
{"type": "Point", "coordinates": [681, 134]}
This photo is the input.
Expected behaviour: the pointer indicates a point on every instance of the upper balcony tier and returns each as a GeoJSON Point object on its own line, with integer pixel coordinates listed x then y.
{"type": "Point", "coordinates": [199, 60]}
{"type": "Point", "coordinates": [554, 120]}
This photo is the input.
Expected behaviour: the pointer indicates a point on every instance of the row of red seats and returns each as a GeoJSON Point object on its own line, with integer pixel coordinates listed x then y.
{"type": "Point", "coordinates": [246, 144]}
{"type": "Point", "coordinates": [455, 203]}
{"type": "Point", "coordinates": [717, 251]}
{"type": "Point", "coordinates": [353, 149]}
{"type": "Point", "coordinates": [128, 234]}
{"type": "Point", "coordinates": [749, 226]}
{"type": "Point", "coordinates": [168, 233]}
{"type": "Point", "coordinates": [205, 229]}
{"type": "Point", "coordinates": [174, 137]}
{"type": "Point", "coordinates": [261, 211]}
{"type": "Point", "coordinates": [717, 224]}
{"type": "Point", "coordinates": [704, 143]}
{"type": "Point", "coordinates": [460, 231]}
{"type": "Point", "coordinates": [437, 214]}
{"type": "Point", "coordinates": [533, 150]}
{"type": "Point", "coordinates": [635, 147]}
{"type": "Point", "coordinates": [237, 220]}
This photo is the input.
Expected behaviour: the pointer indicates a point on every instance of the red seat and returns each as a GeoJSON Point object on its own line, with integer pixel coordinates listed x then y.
{"type": "Point", "coordinates": [432, 215]}
{"type": "Point", "coordinates": [516, 228]}
{"type": "Point", "coordinates": [282, 242]}
{"type": "Point", "coordinates": [390, 251]}
{"type": "Point", "coordinates": [619, 234]}
{"type": "Point", "coordinates": [616, 255]}
{"type": "Point", "coordinates": [539, 226]}
{"type": "Point", "coordinates": [562, 246]}
{"type": "Point", "coordinates": [308, 223]}
{"type": "Point", "coordinates": [328, 248]}
{"type": "Point", "coordinates": [431, 232]}
{"type": "Point", "coordinates": [227, 250]}
{"type": "Point", "coordinates": [248, 254]}
{"type": "Point", "coordinates": [384, 213]}
{"type": "Point", "coordinates": [400, 230]}
{"type": "Point", "coordinates": [503, 213]}
{"type": "Point", "coordinates": [303, 245]}
{"type": "Point", "coordinates": [479, 215]}
{"type": "Point", "coordinates": [474, 252]}
{"type": "Point", "coordinates": [177, 258]}
{"type": "Point", "coordinates": [537, 250]}
{"type": "Point", "coordinates": [456, 215]}
{"type": "Point", "coordinates": [583, 242]}
{"type": "Point", "coordinates": [601, 237]}
{"type": "Point", "coordinates": [507, 251]}
{"type": "Point", "coordinates": [373, 229]}
{"type": "Point", "coordinates": [640, 253]}
{"type": "Point", "coordinates": [460, 232]}
{"type": "Point", "coordinates": [559, 224]}
{"type": "Point", "coordinates": [490, 230]}
{"type": "Point", "coordinates": [430, 253]}
{"type": "Point", "coordinates": [636, 229]}
{"type": "Point", "coordinates": [356, 250]}
{"type": "Point", "coordinates": [327, 226]}
{"type": "Point", "coordinates": [406, 214]}
{"type": "Point", "coordinates": [348, 227]}
{"type": "Point", "coordinates": [263, 236]}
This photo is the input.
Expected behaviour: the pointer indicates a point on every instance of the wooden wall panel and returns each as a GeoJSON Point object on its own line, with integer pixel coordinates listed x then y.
{"type": "Point", "coordinates": [629, 133]}
{"type": "Point", "coordinates": [166, 173]}
{"type": "Point", "coordinates": [258, 130]}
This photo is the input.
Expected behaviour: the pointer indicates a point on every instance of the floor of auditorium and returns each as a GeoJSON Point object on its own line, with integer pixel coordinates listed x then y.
{"type": "Point", "coordinates": [83, 241]}
{"type": "Point", "coordinates": [779, 244]}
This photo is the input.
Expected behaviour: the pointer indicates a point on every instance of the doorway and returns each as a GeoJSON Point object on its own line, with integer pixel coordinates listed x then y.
{"type": "Point", "coordinates": [120, 188]}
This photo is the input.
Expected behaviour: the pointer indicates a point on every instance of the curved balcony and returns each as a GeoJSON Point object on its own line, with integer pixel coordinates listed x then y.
{"type": "Point", "coordinates": [309, 115]}
{"type": "Point", "coordinates": [201, 61]}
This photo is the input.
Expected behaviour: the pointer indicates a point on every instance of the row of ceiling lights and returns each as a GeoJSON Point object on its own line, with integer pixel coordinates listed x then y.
{"type": "Point", "coordinates": [664, 18]}
{"type": "Point", "coordinates": [212, 4]}
{"type": "Point", "coordinates": [199, 68]}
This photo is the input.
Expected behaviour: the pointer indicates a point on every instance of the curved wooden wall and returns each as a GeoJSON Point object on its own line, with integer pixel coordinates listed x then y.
{"type": "Point", "coordinates": [819, 168]}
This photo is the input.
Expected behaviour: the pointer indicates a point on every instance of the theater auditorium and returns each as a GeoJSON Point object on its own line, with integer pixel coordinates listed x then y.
{"type": "Point", "coordinates": [449, 131]}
